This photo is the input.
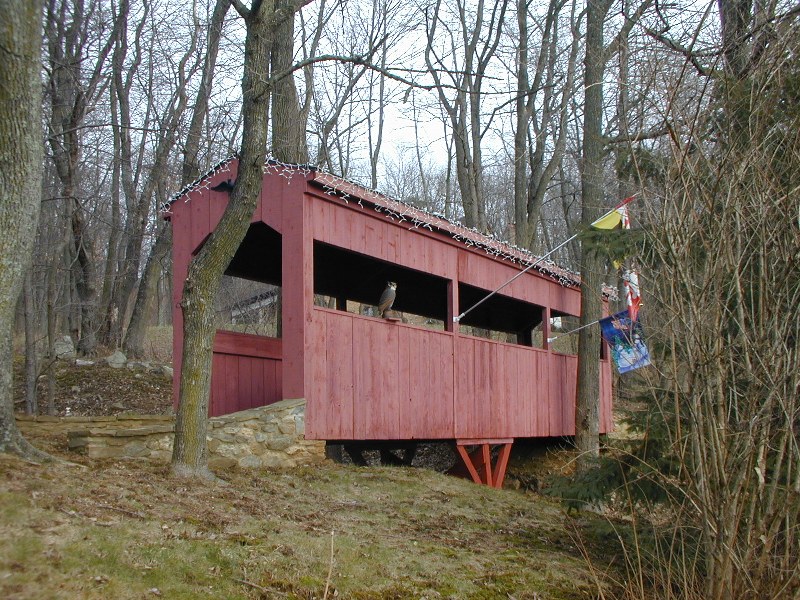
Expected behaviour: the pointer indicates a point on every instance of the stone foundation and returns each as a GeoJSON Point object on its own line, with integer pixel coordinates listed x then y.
{"type": "Point", "coordinates": [268, 436]}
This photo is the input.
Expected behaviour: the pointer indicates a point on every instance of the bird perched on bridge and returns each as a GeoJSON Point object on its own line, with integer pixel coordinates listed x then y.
{"type": "Point", "coordinates": [387, 298]}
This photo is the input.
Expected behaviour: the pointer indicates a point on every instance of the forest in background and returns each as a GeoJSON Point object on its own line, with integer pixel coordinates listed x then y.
{"type": "Point", "coordinates": [479, 111]}
{"type": "Point", "coordinates": [142, 97]}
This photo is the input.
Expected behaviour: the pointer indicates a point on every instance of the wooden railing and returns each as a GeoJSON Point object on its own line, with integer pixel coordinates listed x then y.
{"type": "Point", "coordinates": [376, 379]}
{"type": "Point", "coordinates": [246, 372]}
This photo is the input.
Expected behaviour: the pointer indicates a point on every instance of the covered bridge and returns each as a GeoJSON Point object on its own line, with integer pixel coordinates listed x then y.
{"type": "Point", "coordinates": [331, 246]}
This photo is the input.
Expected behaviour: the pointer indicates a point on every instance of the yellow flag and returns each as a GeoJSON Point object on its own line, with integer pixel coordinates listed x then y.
{"type": "Point", "coordinates": [612, 220]}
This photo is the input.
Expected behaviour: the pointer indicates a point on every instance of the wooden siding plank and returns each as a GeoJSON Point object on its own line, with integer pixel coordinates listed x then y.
{"type": "Point", "coordinates": [554, 399]}
{"type": "Point", "coordinates": [426, 385]}
{"type": "Point", "coordinates": [504, 392]}
{"type": "Point", "coordinates": [465, 387]}
{"type": "Point", "coordinates": [257, 381]}
{"type": "Point", "coordinates": [339, 371]}
{"type": "Point", "coordinates": [272, 383]}
{"type": "Point", "coordinates": [215, 407]}
{"type": "Point", "coordinates": [375, 387]}
{"type": "Point", "coordinates": [297, 264]}
{"type": "Point", "coordinates": [539, 393]}
{"type": "Point", "coordinates": [243, 344]}
{"type": "Point", "coordinates": [198, 207]}
{"type": "Point", "coordinates": [568, 395]}
{"type": "Point", "coordinates": [245, 383]}
{"type": "Point", "coordinates": [485, 372]}
{"type": "Point", "coordinates": [217, 203]}
{"type": "Point", "coordinates": [319, 420]}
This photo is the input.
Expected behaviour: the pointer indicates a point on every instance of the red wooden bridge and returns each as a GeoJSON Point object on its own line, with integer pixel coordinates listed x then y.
{"type": "Point", "coordinates": [366, 378]}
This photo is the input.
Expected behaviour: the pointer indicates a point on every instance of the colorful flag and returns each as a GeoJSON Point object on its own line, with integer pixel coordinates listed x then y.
{"type": "Point", "coordinates": [630, 279]}
{"type": "Point", "coordinates": [624, 337]}
{"type": "Point", "coordinates": [616, 217]}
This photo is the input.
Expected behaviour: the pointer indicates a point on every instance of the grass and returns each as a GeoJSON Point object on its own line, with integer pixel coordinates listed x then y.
{"type": "Point", "coordinates": [129, 530]}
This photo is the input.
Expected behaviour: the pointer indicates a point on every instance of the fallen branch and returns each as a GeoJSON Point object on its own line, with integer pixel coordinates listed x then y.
{"type": "Point", "coordinates": [255, 586]}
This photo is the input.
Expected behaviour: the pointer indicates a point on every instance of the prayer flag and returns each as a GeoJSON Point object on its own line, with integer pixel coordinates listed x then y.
{"type": "Point", "coordinates": [630, 279]}
{"type": "Point", "coordinates": [624, 336]}
{"type": "Point", "coordinates": [616, 218]}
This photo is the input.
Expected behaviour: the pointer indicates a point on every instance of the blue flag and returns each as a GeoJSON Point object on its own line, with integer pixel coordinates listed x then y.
{"type": "Point", "coordinates": [624, 337]}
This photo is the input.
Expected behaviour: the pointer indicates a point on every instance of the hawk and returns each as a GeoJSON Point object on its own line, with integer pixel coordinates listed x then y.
{"type": "Point", "coordinates": [387, 298]}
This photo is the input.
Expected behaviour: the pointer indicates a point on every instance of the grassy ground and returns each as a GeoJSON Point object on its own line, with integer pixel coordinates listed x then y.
{"type": "Point", "coordinates": [128, 530]}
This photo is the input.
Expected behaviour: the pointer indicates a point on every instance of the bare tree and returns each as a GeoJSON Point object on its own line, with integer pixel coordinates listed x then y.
{"type": "Point", "coordinates": [540, 137]}
{"type": "Point", "coordinates": [67, 30]}
{"type": "Point", "coordinates": [474, 36]}
{"type": "Point", "coordinates": [135, 333]}
{"type": "Point", "coordinates": [190, 452]}
{"type": "Point", "coordinates": [21, 157]}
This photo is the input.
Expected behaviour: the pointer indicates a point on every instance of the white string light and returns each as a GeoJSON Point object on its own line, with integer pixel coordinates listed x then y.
{"type": "Point", "coordinates": [399, 211]}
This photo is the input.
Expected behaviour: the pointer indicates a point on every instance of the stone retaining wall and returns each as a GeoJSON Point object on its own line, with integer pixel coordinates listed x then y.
{"type": "Point", "coordinates": [270, 436]}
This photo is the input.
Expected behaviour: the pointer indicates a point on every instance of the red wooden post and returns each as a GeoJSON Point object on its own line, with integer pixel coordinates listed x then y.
{"type": "Point", "coordinates": [452, 306]}
{"type": "Point", "coordinates": [499, 474]}
{"type": "Point", "coordinates": [546, 327]}
{"type": "Point", "coordinates": [478, 463]}
{"type": "Point", "coordinates": [297, 262]}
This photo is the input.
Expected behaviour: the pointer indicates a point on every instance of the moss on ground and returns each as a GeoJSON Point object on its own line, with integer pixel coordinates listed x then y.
{"type": "Point", "coordinates": [128, 530]}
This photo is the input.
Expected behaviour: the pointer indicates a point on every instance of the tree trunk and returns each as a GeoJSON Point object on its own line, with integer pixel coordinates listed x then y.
{"type": "Point", "coordinates": [190, 452]}
{"type": "Point", "coordinates": [31, 367]}
{"type": "Point", "coordinates": [51, 341]}
{"type": "Point", "coordinates": [191, 163]}
{"type": "Point", "coordinates": [135, 335]}
{"type": "Point", "coordinates": [587, 410]}
{"type": "Point", "coordinates": [288, 129]}
{"type": "Point", "coordinates": [21, 157]}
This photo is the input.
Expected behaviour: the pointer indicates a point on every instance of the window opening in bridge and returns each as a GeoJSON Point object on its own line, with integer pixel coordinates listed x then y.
{"type": "Point", "coordinates": [500, 318]}
{"type": "Point", "coordinates": [249, 299]}
{"type": "Point", "coordinates": [353, 282]}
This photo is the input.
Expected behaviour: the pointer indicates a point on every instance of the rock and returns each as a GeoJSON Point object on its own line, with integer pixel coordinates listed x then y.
{"type": "Point", "coordinates": [81, 362]}
{"type": "Point", "coordinates": [118, 406]}
{"type": "Point", "coordinates": [64, 348]}
{"type": "Point", "coordinates": [167, 371]}
{"type": "Point", "coordinates": [250, 462]}
{"type": "Point", "coordinates": [116, 360]}
{"type": "Point", "coordinates": [136, 365]}
{"type": "Point", "coordinates": [221, 464]}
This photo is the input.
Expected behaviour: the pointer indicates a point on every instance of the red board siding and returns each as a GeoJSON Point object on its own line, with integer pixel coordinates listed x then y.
{"type": "Point", "coordinates": [512, 391]}
{"type": "Point", "coordinates": [367, 378]}
{"type": "Point", "coordinates": [374, 379]}
{"type": "Point", "coordinates": [245, 372]}
{"type": "Point", "coordinates": [362, 230]}
{"type": "Point", "coordinates": [332, 378]}
{"type": "Point", "coordinates": [426, 383]}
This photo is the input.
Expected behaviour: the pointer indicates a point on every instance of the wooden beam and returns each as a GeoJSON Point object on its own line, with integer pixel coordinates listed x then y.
{"type": "Point", "coordinates": [478, 463]}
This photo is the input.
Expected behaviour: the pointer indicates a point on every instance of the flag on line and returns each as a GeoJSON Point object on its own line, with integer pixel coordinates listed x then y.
{"type": "Point", "coordinates": [630, 279]}
{"type": "Point", "coordinates": [615, 218]}
{"type": "Point", "coordinates": [624, 337]}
